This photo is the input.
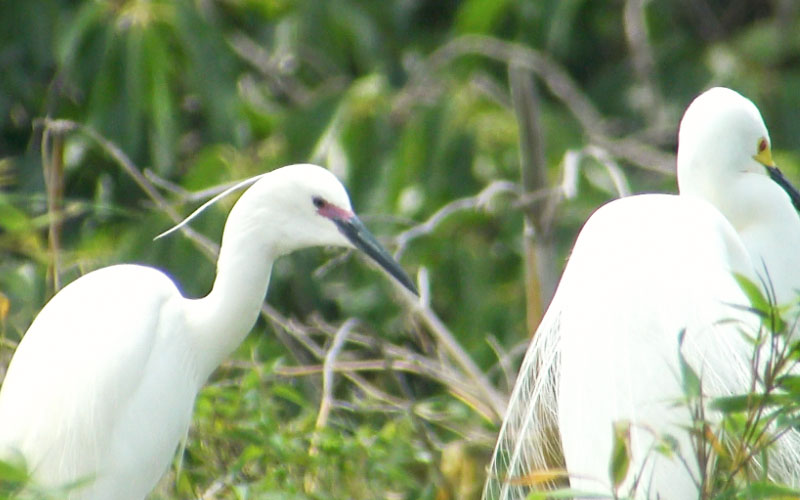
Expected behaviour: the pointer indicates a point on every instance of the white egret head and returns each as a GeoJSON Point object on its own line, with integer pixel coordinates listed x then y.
{"type": "Point", "coordinates": [721, 133]}
{"type": "Point", "coordinates": [302, 206]}
{"type": "Point", "coordinates": [297, 203]}
{"type": "Point", "coordinates": [725, 156]}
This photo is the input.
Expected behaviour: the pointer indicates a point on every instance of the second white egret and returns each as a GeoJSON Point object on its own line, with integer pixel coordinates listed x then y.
{"type": "Point", "coordinates": [643, 270]}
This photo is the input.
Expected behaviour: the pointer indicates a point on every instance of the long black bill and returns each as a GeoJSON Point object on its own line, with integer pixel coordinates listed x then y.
{"type": "Point", "coordinates": [359, 235]}
{"type": "Point", "coordinates": [777, 176]}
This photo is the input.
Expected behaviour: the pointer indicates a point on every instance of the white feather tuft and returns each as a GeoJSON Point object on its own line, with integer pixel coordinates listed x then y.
{"type": "Point", "coordinates": [198, 211]}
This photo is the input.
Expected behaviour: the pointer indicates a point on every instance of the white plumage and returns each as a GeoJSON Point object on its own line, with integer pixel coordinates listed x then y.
{"type": "Point", "coordinates": [644, 269]}
{"type": "Point", "coordinates": [102, 385]}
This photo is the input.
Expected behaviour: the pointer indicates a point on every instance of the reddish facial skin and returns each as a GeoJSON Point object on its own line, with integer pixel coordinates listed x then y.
{"type": "Point", "coordinates": [355, 231]}
{"type": "Point", "coordinates": [331, 211]}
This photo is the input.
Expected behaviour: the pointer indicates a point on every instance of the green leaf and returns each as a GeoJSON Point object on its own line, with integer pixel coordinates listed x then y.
{"type": "Point", "coordinates": [480, 16]}
{"type": "Point", "coordinates": [566, 493]}
{"type": "Point", "coordinates": [12, 473]}
{"type": "Point", "coordinates": [752, 291]}
{"type": "Point", "coordinates": [289, 393]}
{"type": "Point", "coordinates": [87, 17]}
{"type": "Point", "coordinates": [691, 382]}
{"type": "Point", "coordinates": [161, 111]}
{"type": "Point", "coordinates": [783, 421]}
{"type": "Point", "coordinates": [732, 404]}
{"type": "Point", "coordinates": [744, 402]}
{"type": "Point", "coordinates": [667, 445]}
{"type": "Point", "coordinates": [620, 453]}
{"type": "Point", "coordinates": [764, 489]}
{"type": "Point", "coordinates": [11, 218]}
{"type": "Point", "coordinates": [790, 383]}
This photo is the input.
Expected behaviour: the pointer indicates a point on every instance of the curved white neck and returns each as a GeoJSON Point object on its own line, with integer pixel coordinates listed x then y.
{"type": "Point", "coordinates": [773, 247]}
{"type": "Point", "coordinates": [769, 226]}
{"type": "Point", "coordinates": [220, 321]}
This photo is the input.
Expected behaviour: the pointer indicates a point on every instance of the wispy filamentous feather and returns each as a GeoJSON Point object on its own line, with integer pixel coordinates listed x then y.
{"type": "Point", "coordinates": [631, 286]}
{"type": "Point", "coordinates": [204, 206]}
{"type": "Point", "coordinates": [528, 442]}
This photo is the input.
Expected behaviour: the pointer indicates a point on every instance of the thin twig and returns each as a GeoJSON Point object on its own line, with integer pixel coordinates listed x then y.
{"type": "Point", "coordinates": [270, 67]}
{"type": "Point", "coordinates": [557, 80]}
{"type": "Point", "coordinates": [327, 377]}
{"type": "Point", "coordinates": [612, 167]}
{"type": "Point", "coordinates": [216, 487]}
{"type": "Point", "coordinates": [53, 169]}
{"type": "Point", "coordinates": [469, 203]}
{"type": "Point", "coordinates": [552, 74]}
{"type": "Point", "coordinates": [399, 358]}
{"type": "Point", "coordinates": [469, 390]}
{"type": "Point", "coordinates": [459, 388]}
{"type": "Point", "coordinates": [650, 101]}
{"type": "Point", "coordinates": [503, 361]}
{"type": "Point", "coordinates": [451, 346]}
{"type": "Point", "coordinates": [326, 401]}
{"type": "Point", "coordinates": [207, 246]}
{"type": "Point", "coordinates": [166, 185]}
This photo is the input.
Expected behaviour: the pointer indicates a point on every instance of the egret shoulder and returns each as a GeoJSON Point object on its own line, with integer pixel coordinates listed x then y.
{"type": "Point", "coordinates": [626, 293]}
{"type": "Point", "coordinates": [102, 323]}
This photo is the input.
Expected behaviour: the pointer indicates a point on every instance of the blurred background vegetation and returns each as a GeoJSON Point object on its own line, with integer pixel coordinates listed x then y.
{"type": "Point", "coordinates": [505, 123]}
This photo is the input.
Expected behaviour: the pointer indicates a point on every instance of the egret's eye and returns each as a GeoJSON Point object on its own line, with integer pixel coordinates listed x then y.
{"type": "Point", "coordinates": [762, 145]}
{"type": "Point", "coordinates": [318, 202]}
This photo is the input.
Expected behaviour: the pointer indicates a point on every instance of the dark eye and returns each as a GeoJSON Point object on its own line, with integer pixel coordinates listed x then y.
{"type": "Point", "coordinates": [762, 145]}
{"type": "Point", "coordinates": [318, 202]}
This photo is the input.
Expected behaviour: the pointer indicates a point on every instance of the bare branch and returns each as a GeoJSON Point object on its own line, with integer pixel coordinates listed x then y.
{"type": "Point", "coordinates": [555, 78]}
{"type": "Point", "coordinates": [638, 153]}
{"type": "Point", "coordinates": [470, 390]}
{"type": "Point", "coordinates": [120, 158]}
{"type": "Point", "coordinates": [53, 170]}
{"type": "Point", "coordinates": [649, 100]}
{"type": "Point", "coordinates": [327, 378]}
{"type": "Point", "coordinates": [538, 250]}
{"type": "Point", "coordinates": [470, 203]}
{"type": "Point", "coordinates": [613, 169]}
{"type": "Point", "coordinates": [270, 67]}
{"type": "Point", "coordinates": [326, 402]}
{"type": "Point", "coordinates": [454, 349]}
{"type": "Point", "coordinates": [503, 361]}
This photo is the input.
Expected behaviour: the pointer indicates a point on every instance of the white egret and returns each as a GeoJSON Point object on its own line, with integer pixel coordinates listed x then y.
{"type": "Point", "coordinates": [644, 269]}
{"type": "Point", "coordinates": [102, 385]}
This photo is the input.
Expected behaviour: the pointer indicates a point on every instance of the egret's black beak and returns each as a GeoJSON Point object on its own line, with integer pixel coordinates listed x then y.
{"type": "Point", "coordinates": [359, 235]}
{"type": "Point", "coordinates": [776, 175]}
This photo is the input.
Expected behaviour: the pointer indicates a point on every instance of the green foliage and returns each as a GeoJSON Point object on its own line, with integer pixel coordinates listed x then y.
{"type": "Point", "coordinates": [620, 453]}
{"type": "Point", "coordinates": [13, 478]}
{"type": "Point", "coordinates": [235, 433]}
{"type": "Point", "coordinates": [566, 493]}
{"type": "Point", "coordinates": [385, 95]}
{"type": "Point", "coordinates": [735, 435]}
{"type": "Point", "coordinates": [691, 381]}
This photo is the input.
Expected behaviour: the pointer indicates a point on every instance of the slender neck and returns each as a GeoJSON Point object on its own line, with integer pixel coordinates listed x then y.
{"type": "Point", "coordinates": [220, 321]}
{"type": "Point", "coordinates": [769, 226]}
{"type": "Point", "coordinates": [773, 249]}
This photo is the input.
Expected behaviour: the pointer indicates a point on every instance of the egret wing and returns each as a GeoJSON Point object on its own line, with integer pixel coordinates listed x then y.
{"type": "Point", "coordinates": [78, 371]}
{"type": "Point", "coordinates": [645, 272]}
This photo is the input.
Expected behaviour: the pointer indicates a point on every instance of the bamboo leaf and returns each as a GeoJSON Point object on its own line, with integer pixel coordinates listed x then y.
{"type": "Point", "coordinates": [790, 383]}
{"type": "Point", "coordinates": [689, 378]}
{"type": "Point", "coordinates": [764, 489]}
{"type": "Point", "coordinates": [620, 453]}
{"type": "Point", "coordinates": [566, 493]}
{"type": "Point", "coordinates": [752, 291]}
